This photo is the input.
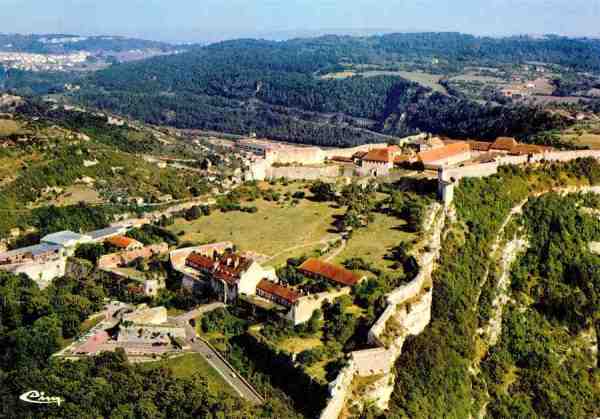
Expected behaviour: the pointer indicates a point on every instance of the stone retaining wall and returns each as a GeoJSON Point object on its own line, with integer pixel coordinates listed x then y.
{"type": "Point", "coordinates": [409, 306]}
{"type": "Point", "coordinates": [302, 172]}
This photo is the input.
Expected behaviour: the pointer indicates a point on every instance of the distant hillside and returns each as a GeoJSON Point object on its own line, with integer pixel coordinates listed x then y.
{"type": "Point", "coordinates": [54, 157]}
{"type": "Point", "coordinates": [276, 89]}
{"type": "Point", "coordinates": [60, 43]}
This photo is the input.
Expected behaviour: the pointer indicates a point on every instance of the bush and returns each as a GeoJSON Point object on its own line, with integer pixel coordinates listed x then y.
{"type": "Point", "coordinates": [310, 356]}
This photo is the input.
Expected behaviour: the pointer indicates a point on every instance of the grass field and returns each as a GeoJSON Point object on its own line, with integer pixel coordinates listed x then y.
{"type": "Point", "coordinates": [76, 194]}
{"type": "Point", "coordinates": [586, 139]}
{"type": "Point", "coordinates": [190, 365]}
{"type": "Point", "coordinates": [9, 168]}
{"type": "Point", "coordinates": [273, 230]}
{"type": "Point", "coordinates": [8, 127]}
{"type": "Point", "coordinates": [424, 79]}
{"type": "Point", "coordinates": [297, 345]}
{"type": "Point", "coordinates": [375, 241]}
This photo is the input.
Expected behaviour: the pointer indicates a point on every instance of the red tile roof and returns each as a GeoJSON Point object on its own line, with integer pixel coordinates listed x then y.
{"type": "Point", "coordinates": [231, 266]}
{"type": "Point", "coordinates": [121, 241]}
{"type": "Point", "coordinates": [198, 261]}
{"type": "Point", "coordinates": [286, 293]}
{"type": "Point", "coordinates": [504, 144]}
{"type": "Point", "coordinates": [383, 155]}
{"type": "Point", "coordinates": [444, 152]}
{"type": "Point", "coordinates": [329, 271]}
{"type": "Point", "coordinates": [521, 149]}
{"type": "Point", "coordinates": [480, 145]}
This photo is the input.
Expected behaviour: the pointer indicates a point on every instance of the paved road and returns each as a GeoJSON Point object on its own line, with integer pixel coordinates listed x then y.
{"type": "Point", "coordinates": [198, 345]}
{"type": "Point", "coordinates": [186, 317]}
{"type": "Point", "coordinates": [232, 378]}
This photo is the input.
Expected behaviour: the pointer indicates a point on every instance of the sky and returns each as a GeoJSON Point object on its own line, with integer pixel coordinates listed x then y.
{"type": "Point", "coordinates": [212, 20]}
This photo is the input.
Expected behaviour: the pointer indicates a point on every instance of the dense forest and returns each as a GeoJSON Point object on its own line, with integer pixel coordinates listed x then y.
{"type": "Point", "coordinates": [437, 371]}
{"type": "Point", "coordinates": [544, 365]}
{"type": "Point", "coordinates": [275, 88]}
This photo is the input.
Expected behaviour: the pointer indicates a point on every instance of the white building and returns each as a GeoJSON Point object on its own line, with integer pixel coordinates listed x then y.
{"type": "Point", "coordinates": [67, 240]}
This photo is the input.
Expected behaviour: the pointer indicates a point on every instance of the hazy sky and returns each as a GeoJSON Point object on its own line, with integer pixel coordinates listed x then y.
{"type": "Point", "coordinates": [197, 20]}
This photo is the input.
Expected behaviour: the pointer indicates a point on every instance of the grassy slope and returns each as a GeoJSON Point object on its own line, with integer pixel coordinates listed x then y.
{"type": "Point", "coordinates": [271, 230]}
{"type": "Point", "coordinates": [375, 241]}
{"type": "Point", "coordinates": [192, 364]}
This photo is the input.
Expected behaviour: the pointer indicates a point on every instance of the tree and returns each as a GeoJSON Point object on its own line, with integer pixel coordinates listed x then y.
{"type": "Point", "coordinates": [323, 191]}
{"type": "Point", "coordinates": [90, 251]}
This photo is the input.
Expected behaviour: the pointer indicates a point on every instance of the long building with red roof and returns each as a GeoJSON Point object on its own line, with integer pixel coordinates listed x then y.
{"type": "Point", "coordinates": [317, 268]}
{"type": "Point", "coordinates": [277, 293]}
{"type": "Point", "coordinates": [445, 156]}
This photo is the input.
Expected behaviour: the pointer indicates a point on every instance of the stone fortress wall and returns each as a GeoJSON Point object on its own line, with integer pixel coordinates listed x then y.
{"type": "Point", "coordinates": [302, 162]}
{"type": "Point", "coordinates": [409, 308]}
{"type": "Point", "coordinates": [449, 177]}
{"type": "Point", "coordinates": [302, 311]}
{"type": "Point", "coordinates": [302, 172]}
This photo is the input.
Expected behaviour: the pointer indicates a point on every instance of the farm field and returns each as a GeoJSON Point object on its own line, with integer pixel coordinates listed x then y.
{"type": "Point", "coordinates": [76, 194]}
{"type": "Point", "coordinates": [272, 231]}
{"type": "Point", "coordinates": [586, 139]}
{"type": "Point", "coordinates": [425, 79]}
{"type": "Point", "coordinates": [374, 242]}
{"type": "Point", "coordinates": [585, 134]}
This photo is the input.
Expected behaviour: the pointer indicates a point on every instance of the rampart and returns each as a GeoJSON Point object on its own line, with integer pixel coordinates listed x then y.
{"type": "Point", "coordinates": [303, 172]}
{"type": "Point", "coordinates": [305, 306]}
{"type": "Point", "coordinates": [300, 155]}
{"type": "Point", "coordinates": [448, 177]}
{"type": "Point", "coordinates": [408, 313]}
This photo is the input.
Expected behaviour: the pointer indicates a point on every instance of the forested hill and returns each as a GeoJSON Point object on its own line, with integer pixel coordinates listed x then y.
{"type": "Point", "coordinates": [276, 88]}
{"type": "Point", "coordinates": [61, 43]}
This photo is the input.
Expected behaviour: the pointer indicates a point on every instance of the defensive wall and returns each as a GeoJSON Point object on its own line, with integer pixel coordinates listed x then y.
{"type": "Point", "coordinates": [449, 177]}
{"type": "Point", "coordinates": [300, 155]}
{"type": "Point", "coordinates": [408, 312]}
{"type": "Point", "coordinates": [303, 309]}
{"type": "Point", "coordinates": [296, 157]}
{"type": "Point", "coordinates": [302, 172]}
